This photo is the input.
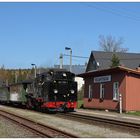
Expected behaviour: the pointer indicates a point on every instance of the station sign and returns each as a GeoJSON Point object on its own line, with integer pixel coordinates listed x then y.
{"type": "Point", "coordinates": [102, 79]}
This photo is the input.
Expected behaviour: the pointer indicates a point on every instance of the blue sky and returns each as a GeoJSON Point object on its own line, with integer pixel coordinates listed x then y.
{"type": "Point", "coordinates": [39, 32]}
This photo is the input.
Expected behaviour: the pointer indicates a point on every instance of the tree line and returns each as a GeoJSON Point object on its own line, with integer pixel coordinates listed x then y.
{"type": "Point", "coordinates": [9, 76]}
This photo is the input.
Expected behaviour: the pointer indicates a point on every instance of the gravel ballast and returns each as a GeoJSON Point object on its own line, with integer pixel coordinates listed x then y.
{"type": "Point", "coordinates": [9, 129]}
{"type": "Point", "coordinates": [74, 127]}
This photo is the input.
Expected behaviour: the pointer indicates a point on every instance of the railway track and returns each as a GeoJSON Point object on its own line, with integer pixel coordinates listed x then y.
{"type": "Point", "coordinates": [36, 127]}
{"type": "Point", "coordinates": [100, 120]}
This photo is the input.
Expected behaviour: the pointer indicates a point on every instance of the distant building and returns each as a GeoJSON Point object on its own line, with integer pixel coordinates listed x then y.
{"type": "Point", "coordinates": [76, 69]}
{"type": "Point", "coordinates": [99, 60]}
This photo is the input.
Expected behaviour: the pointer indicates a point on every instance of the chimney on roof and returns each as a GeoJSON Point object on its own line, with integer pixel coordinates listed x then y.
{"type": "Point", "coordinates": [138, 68]}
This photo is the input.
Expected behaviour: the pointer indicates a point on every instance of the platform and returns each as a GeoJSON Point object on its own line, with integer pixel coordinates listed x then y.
{"type": "Point", "coordinates": [110, 115]}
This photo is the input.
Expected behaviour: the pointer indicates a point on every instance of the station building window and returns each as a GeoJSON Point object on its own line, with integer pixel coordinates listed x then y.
{"type": "Point", "coordinates": [90, 94]}
{"type": "Point", "coordinates": [102, 91]}
{"type": "Point", "coordinates": [116, 91]}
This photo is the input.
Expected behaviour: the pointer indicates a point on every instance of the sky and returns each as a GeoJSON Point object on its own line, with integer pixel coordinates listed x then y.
{"type": "Point", "coordinates": [38, 32]}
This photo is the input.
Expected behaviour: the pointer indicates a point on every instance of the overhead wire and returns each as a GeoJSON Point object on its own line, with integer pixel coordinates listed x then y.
{"type": "Point", "coordinates": [112, 11]}
{"type": "Point", "coordinates": [136, 58]}
{"type": "Point", "coordinates": [126, 11]}
{"type": "Point", "coordinates": [76, 56]}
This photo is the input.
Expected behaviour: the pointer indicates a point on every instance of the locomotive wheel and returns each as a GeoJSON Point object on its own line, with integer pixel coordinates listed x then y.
{"type": "Point", "coordinates": [71, 110]}
{"type": "Point", "coordinates": [29, 104]}
{"type": "Point", "coordinates": [44, 110]}
{"type": "Point", "coordinates": [39, 109]}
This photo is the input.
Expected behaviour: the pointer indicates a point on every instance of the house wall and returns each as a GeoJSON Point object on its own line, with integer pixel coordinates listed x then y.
{"type": "Point", "coordinates": [108, 102]}
{"type": "Point", "coordinates": [133, 93]}
{"type": "Point", "coordinates": [80, 82]}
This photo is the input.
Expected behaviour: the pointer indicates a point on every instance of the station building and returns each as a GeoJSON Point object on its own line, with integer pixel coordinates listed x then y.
{"type": "Point", "coordinates": [103, 87]}
{"type": "Point", "coordinates": [103, 84]}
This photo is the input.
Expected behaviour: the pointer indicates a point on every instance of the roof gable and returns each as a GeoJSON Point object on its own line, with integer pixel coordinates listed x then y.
{"type": "Point", "coordinates": [103, 59]}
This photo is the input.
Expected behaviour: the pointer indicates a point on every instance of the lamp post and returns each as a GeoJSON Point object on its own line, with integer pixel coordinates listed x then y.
{"type": "Point", "coordinates": [66, 48]}
{"type": "Point", "coordinates": [35, 67]}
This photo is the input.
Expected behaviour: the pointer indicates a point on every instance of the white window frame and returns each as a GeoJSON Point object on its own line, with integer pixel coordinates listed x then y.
{"type": "Point", "coordinates": [90, 92]}
{"type": "Point", "coordinates": [102, 91]}
{"type": "Point", "coordinates": [116, 91]}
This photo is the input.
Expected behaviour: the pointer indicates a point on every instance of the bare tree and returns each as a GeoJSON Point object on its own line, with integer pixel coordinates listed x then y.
{"type": "Point", "coordinates": [110, 44]}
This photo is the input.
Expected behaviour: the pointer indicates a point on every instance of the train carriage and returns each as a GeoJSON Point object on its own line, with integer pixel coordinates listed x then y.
{"type": "Point", "coordinates": [4, 94]}
{"type": "Point", "coordinates": [18, 93]}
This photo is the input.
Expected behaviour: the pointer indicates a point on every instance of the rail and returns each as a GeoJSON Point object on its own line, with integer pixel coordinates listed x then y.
{"type": "Point", "coordinates": [36, 127]}
{"type": "Point", "coordinates": [91, 119]}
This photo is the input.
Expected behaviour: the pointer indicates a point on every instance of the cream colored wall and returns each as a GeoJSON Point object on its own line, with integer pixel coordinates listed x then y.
{"type": "Point", "coordinates": [80, 82]}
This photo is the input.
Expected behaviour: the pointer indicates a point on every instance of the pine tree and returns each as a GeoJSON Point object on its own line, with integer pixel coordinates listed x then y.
{"type": "Point", "coordinates": [115, 61]}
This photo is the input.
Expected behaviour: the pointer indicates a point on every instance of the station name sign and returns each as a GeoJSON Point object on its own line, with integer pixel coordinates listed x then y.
{"type": "Point", "coordinates": [102, 79]}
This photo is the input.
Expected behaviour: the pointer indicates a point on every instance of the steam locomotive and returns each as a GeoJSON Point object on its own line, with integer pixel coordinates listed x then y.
{"type": "Point", "coordinates": [54, 90]}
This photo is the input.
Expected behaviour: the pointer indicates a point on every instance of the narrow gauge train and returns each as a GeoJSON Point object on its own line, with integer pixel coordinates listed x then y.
{"type": "Point", "coordinates": [54, 90]}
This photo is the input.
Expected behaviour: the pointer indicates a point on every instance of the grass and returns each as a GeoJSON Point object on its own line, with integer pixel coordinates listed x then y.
{"type": "Point", "coordinates": [137, 113]}
{"type": "Point", "coordinates": [79, 103]}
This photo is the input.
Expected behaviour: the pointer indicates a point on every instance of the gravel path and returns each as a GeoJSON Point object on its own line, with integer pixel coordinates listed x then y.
{"type": "Point", "coordinates": [77, 128]}
{"type": "Point", "coordinates": [9, 129]}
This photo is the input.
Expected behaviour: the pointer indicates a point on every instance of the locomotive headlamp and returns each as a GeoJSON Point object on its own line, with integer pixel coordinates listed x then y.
{"type": "Point", "coordinates": [72, 91]}
{"type": "Point", "coordinates": [64, 95]}
{"type": "Point", "coordinates": [64, 74]}
{"type": "Point", "coordinates": [67, 94]}
{"type": "Point", "coordinates": [55, 91]}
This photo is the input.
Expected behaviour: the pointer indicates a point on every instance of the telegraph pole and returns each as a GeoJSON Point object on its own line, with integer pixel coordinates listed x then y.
{"type": "Point", "coordinates": [61, 61]}
{"type": "Point", "coordinates": [70, 60]}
